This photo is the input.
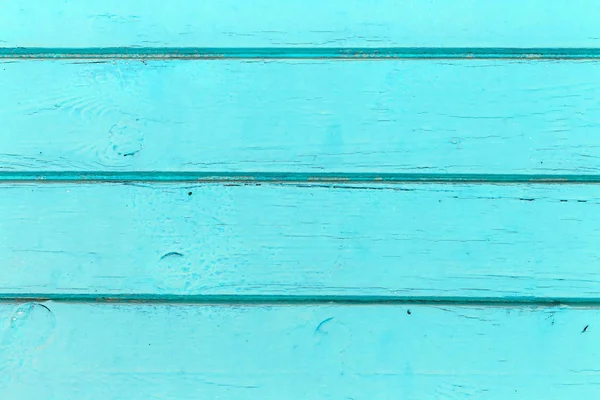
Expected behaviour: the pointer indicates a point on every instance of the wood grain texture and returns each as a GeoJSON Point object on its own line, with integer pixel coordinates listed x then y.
{"type": "Point", "coordinates": [418, 116]}
{"type": "Point", "coordinates": [270, 279]}
{"type": "Point", "coordinates": [427, 240]}
{"type": "Point", "coordinates": [103, 352]}
{"type": "Point", "coordinates": [302, 23]}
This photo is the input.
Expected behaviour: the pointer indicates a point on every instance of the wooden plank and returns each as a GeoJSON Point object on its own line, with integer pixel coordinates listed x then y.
{"type": "Point", "coordinates": [419, 116]}
{"type": "Point", "coordinates": [401, 241]}
{"type": "Point", "coordinates": [74, 351]}
{"type": "Point", "coordinates": [300, 23]}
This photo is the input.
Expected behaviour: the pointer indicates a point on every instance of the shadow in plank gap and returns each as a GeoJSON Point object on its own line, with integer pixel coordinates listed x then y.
{"type": "Point", "coordinates": [249, 177]}
{"type": "Point", "coordinates": [299, 53]}
{"type": "Point", "coordinates": [299, 300]}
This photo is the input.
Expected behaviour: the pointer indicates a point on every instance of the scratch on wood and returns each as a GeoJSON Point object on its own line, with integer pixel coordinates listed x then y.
{"type": "Point", "coordinates": [172, 254]}
{"type": "Point", "coordinates": [319, 327]}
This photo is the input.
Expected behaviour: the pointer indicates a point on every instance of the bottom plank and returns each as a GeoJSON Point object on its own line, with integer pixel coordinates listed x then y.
{"type": "Point", "coordinates": [155, 351]}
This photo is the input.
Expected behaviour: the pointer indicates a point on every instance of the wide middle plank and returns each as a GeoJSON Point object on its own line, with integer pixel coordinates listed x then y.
{"type": "Point", "coordinates": [418, 116]}
{"type": "Point", "coordinates": [424, 240]}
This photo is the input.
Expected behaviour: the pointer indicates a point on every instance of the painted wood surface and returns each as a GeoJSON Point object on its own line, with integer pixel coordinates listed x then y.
{"type": "Point", "coordinates": [400, 241]}
{"type": "Point", "coordinates": [300, 23]}
{"type": "Point", "coordinates": [427, 116]}
{"type": "Point", "coordinates": [103, 352]}
{"type": "Point", "coordinates": [232, 199]}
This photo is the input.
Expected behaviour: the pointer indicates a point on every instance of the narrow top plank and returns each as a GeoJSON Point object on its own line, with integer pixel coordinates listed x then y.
{"type": "Point", "coordinates": [300, 23]}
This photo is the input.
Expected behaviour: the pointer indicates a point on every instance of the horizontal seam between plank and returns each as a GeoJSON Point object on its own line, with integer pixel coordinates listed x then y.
{"type": "Point", "coordinates": [200, 53]}
{"type": "Point", "coordinates": [283, 177]}
{"type": "Point", "coordinates": [299, 300]}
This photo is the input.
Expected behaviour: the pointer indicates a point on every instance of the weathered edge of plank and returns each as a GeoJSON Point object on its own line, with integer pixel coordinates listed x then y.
{"type": "Point", "coordinates": [420, 240]}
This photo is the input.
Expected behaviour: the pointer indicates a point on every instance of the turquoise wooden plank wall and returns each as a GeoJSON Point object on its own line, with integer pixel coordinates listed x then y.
{"type": "Point", "coordinates": [299, 199]}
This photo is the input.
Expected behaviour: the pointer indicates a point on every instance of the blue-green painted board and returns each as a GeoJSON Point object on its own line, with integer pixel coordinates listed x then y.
{"type": "Point", "coordinates": [106, 352]}
{"type": "Point", "coordinates": [426, 240]}
{"type": "Point", "coordinates": [419, 116]}
{"type": "Point", "coordinates": [242, 290]}
{"type": "Point", "coordinates": [300, 23]}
